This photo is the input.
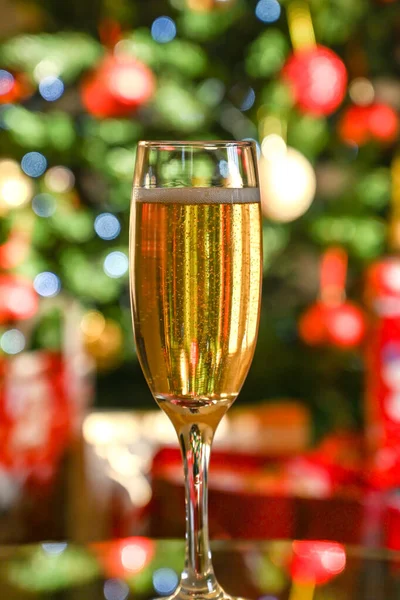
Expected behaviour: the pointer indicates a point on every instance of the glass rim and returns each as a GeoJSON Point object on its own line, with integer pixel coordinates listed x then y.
{"type": "Point", "coordinates": [206, 144]}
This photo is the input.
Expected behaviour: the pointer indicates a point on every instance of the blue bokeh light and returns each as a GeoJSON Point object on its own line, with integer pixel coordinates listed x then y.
{"type": "Point", "coordinates": [47, 284]}
{"type": "Point", "coordinates": [107, 226]}
{"type": "Point", "coordinates": [12, 341]}
{"type": "Point", "coordinates": [224, 168]}
{"type": "Point", "coordinates": [51, 88]}
{"type": "Point", "coordinates": [54, 548]}
{"type": "Point", "coordinates": [248, 100]}
{"type": "Point", "coordinates": [115, 589]}
{"type": "Point", "coordinates": [268, 11]}
{"type": "Point", "coordinates": [163, 30]}
{"type": "Point", "coordinates": [165, 581]}
{"type": "Point", "coordinates": [44, 205]}
{"type": "Point", "coordinates": [34, 164]}
{"type": "Point", "coordinates": [6, 82]}
{"type": "Point", "coordinates": [116, 264]}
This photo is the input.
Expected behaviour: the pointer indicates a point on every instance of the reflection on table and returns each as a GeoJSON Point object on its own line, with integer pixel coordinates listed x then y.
{"type": "Point", "coordinates": [142, 568]}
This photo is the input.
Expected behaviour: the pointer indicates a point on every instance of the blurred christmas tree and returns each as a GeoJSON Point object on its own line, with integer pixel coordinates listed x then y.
{"type": "Point", "coordinates": [315, 83]}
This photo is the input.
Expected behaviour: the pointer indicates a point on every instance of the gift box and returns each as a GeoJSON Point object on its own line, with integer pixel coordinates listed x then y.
{"type": "Point", "coordinates": [254, 497]}
{"type": "Point", "coordinates": [266, 483]}
{"type": "Point", "coordinates": [44, 396]}
{"type": "Point", "coordinates": [382, 385]}
{"type": "Point", "coordinates": [134, 474]}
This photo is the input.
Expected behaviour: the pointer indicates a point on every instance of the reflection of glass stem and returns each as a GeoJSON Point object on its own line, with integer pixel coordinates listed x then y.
{"type": "Point", "coordinates": [302, 591]}
{"type": "Point", "coordinates": [198, 575]}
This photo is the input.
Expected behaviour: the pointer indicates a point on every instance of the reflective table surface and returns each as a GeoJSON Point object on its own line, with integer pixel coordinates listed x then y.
{"type": "Point", "coordinates": [143, 568]}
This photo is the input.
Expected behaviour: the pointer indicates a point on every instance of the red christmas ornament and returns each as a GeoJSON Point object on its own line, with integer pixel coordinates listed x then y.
{"type": "Point", "coordinates": [332, 320]}
{"type": "Point", "coordinates": [353, 125]}
{"type": "Point", "coordinates": [318, 79]}
{"type": "Point", "coordinates": [383, 122]}
{"type": "Point", "coordinates": [342, 325]}
{"type": "Point", "coordinates": [98, 101]}
{"type": "Point", "coordinates": [131, 83]}
{"type": "Point", "coordinates": [120, 85]}
{"type": "Point", "coordinates": [361, 124]}
{"type": "Point", "coordinates": [316, 562]}
{"type": "Point", "coordinates": [312, 326]}
{"type": "Point", "coordinates": [345, 325]}
{"type": "Point", "coordinates": [18, 299]}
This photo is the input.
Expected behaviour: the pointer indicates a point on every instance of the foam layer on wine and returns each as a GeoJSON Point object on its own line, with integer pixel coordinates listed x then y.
{"type": "Point", "coordinates": [199, 195]}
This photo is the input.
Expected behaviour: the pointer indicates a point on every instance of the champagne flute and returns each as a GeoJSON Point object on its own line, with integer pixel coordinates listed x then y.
{"type": "Point", "coordinates": [195, 277]}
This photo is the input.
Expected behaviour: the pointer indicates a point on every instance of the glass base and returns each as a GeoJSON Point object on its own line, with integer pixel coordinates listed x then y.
{"type": "Point", "coordinates": [181, 594]}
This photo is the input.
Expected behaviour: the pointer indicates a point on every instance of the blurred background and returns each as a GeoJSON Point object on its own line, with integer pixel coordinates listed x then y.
{"type": "Point", "coordinates": [317, 86]}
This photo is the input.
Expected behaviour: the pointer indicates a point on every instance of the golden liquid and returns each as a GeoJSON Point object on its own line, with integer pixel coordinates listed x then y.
{"type": "Point", "coordinates": [196, 284]}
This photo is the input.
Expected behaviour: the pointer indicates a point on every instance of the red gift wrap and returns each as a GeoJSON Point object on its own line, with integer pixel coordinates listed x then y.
{"type": "Point", "coordinates": [383, 372]}
{"type": "Point", "coordinates": [38, 413]}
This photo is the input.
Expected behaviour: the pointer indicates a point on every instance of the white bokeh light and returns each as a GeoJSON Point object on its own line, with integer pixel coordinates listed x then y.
{"type": "Point", "coordinates": [45, 68]}
{"type": "Point", "coordinates": [47, 284]}
{"type": "Point", "coordinates": [15, 188]}
{"type": "Point", "coordinates": [287, 182]}
{"type": "Point", "coordinates": [393, 407]}
{"type": "Point", "coordinates": [116, 264]}
{"type": "Point", "coordinates": [273, 146]}
{"type": "Point", "coordinates": [391, 277]}
{"type": "Point", "coordinates": [12, 341]}
{"type": "Point", "coordinates": [133, 557]}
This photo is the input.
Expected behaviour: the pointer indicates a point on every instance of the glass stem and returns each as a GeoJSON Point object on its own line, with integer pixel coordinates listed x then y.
{"type": "Point", "coordinates": [198, 575]}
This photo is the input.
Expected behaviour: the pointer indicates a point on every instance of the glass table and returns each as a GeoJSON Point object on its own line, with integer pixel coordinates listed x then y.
{"type": "Point", "coordinates": [143, 568]}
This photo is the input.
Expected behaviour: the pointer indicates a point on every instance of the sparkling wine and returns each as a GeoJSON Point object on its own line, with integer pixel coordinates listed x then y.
{"type": "Point", "coordinates": [195, 282]}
